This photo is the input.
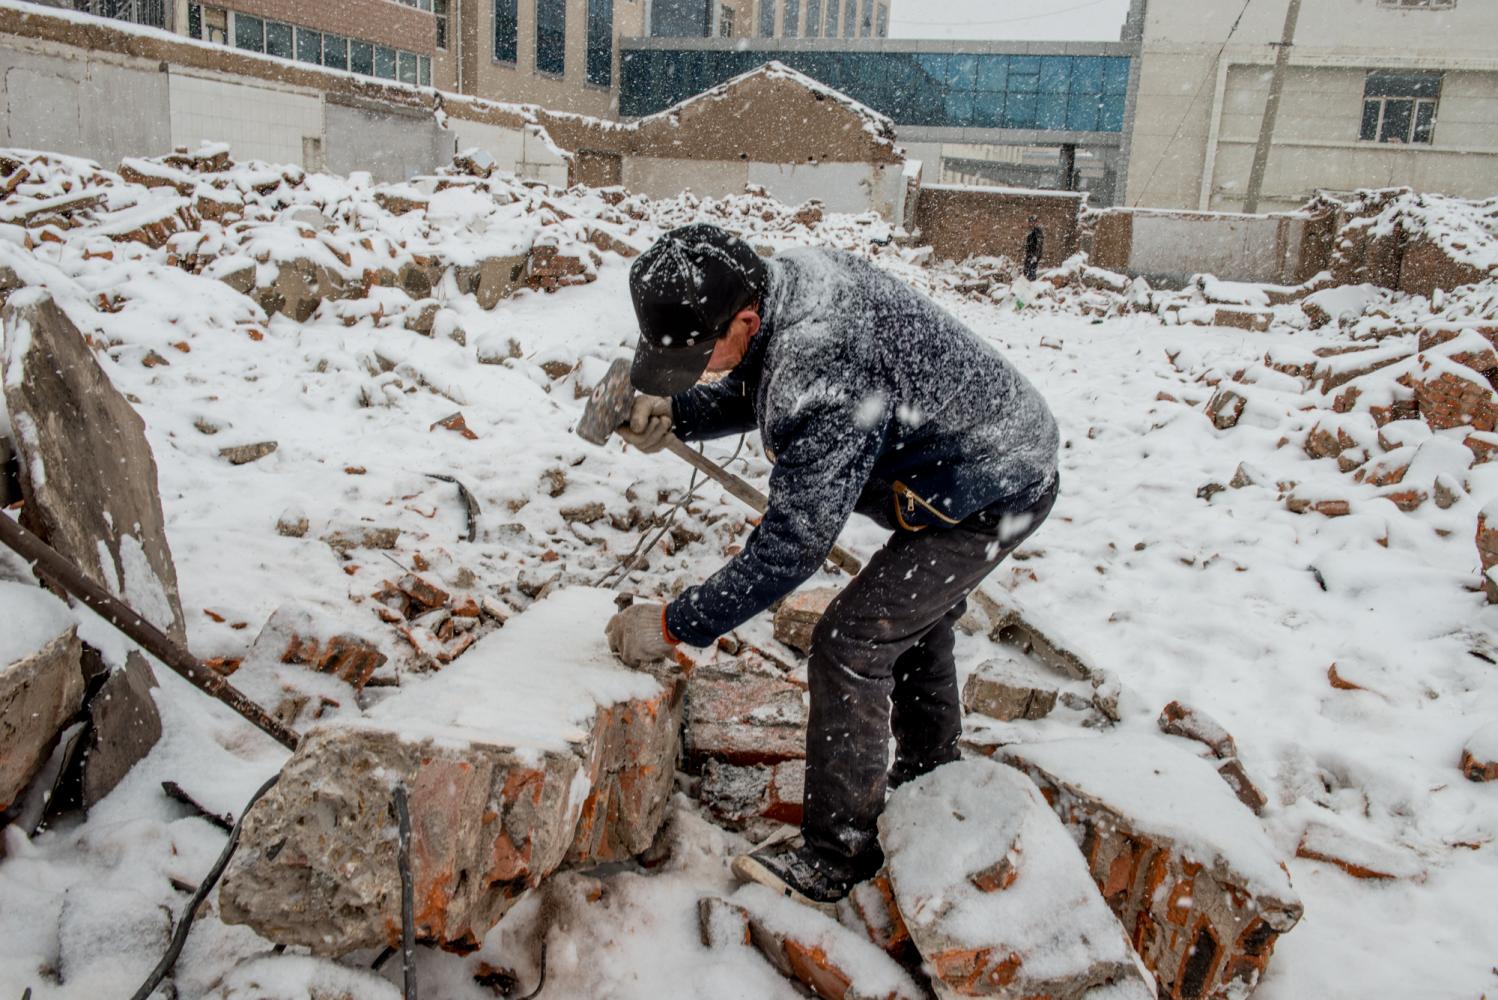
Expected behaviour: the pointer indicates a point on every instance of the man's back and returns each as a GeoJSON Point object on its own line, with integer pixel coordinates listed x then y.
{"type": "Point", "coordinates": [960, 427]}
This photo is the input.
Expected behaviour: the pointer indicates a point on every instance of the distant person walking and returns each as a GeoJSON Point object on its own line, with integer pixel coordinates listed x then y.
{"type": "Point", "coordinates": [1034, 248]}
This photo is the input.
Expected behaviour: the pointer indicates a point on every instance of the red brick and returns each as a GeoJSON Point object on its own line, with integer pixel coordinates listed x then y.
{"type": "Point", "coordinates": [742, 717]}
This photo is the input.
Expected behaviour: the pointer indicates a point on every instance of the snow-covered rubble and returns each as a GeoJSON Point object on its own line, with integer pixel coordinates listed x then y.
{"type": "Point", "coordinates": [1175, 566]}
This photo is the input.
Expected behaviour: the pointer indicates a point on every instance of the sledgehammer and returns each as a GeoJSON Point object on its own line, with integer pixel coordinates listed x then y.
{"type": "Point", "coordinates": [608, 407]}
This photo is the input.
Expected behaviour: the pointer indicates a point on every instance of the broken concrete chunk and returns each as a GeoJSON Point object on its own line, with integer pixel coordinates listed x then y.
{"type": "Point", "coordinates": [735, 795]}
{"type": "Point", "coordinates": [1034, 634]}
{"type": "Point", "coordinates": [1009, 689]}
{"type": "Point", "coordinates": [87, 472]}
{"type": "Point", "coordinates": [1194, 876]}
{"type": "Point", "coordinates": [124, 726]}
{"type": "Point", "coordinates": [244, 454]}
{"type": "Point", "coordinates": [41, 681]}
{"type": "Point", "coordinates": [292, 524]}
{"type": "Point", "coordinates": [993, 890]}
{"type": "Point", "coordinates": [798, 614]}
{"type": "Point", "coordinates": [742, 717]}
{"type": "Point", "coordinates": [830, 960]}
{"type": "Point", "coordinates": [536, 749]}
{"type": "Point", "coordinates": [1480, 755]}
{"type": "Point", "coordinates": [345, 540]}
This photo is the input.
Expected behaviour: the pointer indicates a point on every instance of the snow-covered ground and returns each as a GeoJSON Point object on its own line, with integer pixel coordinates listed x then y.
{"type": "Point", "coordinates": [1232, 604]}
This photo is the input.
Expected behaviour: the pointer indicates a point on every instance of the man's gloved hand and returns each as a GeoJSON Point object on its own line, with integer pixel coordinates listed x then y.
{"type": "Point", "coordinates": [649, 423]}
{"type": "Point", "coordinates": [637, 635]}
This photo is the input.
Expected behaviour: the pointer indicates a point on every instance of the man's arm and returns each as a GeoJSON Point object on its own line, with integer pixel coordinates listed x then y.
{"type": "Point", "coordinates": [712, 410]}
{"type": "Point", "coordinates": [832, 442]}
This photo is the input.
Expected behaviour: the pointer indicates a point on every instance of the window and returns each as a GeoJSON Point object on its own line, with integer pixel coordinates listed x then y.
{"type": "Point", "coordinates": [866, 25]}
{"type": "Point", "coordinates": [813, 18]}
{"type": "Point", "coordinates": [767, 18]}
{"type": "Point", "coordinates": [792, 18]}
{"type": "Point", "coordinates": [439, 8]}
{"type": "Point", "coordinates": [881, 28]}
{"type": "Point", "coordinates": [278, 39]}
{"type": "Point", "coordinates": [506, 30]}
{"type": "Point", "coordinates": [424, 78]}
{"type": "Point", "coordinates": [601, 42]}
{"type": "Point", "coordinates": [194, 20]}
{"type": "Point", "coordinates": [1400, 106]}
{"type": "Point", "coordinates": [409, 69]}
{"type": "Point", "coordinates": [725, 21]}
{"type": "Point", "coordinates": [384, 65]}
{"type": "Point", "coordinates": [308, 46]}
{"type": "Point", "coordinates": [831, 31]}
{"type": "Point", "coordinates": [850, 17]}
{"type": "Point", "coordinates": [249, 33]}
{"type": "Point", "coordinates": [361, 57]}
{"type": "Point", "coordinates": [335, 51]}
{"type": "Point", "coordinates": [551, 37]}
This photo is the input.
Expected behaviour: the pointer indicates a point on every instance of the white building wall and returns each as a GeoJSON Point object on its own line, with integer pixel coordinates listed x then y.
{"type": "Point", "coordinates": [260, 123]}
{"type": "Point", "coordinates": [1198, 116]}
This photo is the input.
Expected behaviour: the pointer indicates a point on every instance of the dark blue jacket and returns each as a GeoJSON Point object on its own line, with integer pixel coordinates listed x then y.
{"type": "Point", "coordinates": [869, 397]}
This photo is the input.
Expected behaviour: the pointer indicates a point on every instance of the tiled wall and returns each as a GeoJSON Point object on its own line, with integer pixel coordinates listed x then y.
{"type": "Point", "coordinates": [259, 123]}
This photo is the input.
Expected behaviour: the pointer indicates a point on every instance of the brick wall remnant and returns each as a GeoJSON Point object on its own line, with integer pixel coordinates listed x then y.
{"type": "Point", "coordinates": [1194, 878]}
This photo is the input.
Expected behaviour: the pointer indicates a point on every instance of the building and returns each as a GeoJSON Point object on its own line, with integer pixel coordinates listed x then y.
{"type": "Point", "coordinates": [1378, 93]}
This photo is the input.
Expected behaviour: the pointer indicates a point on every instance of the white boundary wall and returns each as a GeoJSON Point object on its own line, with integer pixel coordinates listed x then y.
{"type": "Point", "coordinates": [840, 187]}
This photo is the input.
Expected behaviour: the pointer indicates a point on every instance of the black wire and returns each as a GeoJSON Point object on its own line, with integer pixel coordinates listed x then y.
{"type": "Point", "coordinates": [1211, 69]}
{"type": "Point", "coordinates": [184, 924]}
{"type": "Point", "coordinates": [408, 905]}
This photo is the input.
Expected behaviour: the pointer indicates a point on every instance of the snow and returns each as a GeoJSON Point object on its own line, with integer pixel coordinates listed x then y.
{"type": "Point", "coordinates": [963, 819]}
{"type": "Point", "coordinates": [1215, 602]}
{"type": "Point", "coordinates": [872, 972]}
{"type": "Point", "coordinates": [34, 618]}
{"type": "Point", "coordinates": [1168, 793]}
{"type": "Point", "coordinates": [536, 683]}
{"type": "Point", "coordinates": [1483, 745]}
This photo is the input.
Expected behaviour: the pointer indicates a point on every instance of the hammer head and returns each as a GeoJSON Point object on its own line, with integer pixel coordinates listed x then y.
{"type": "Point", "coordinates": [608, 406]}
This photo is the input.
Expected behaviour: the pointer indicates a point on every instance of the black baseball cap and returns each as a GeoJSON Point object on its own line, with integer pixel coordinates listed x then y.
{"type": "Point", "coordinates": [686, 290]}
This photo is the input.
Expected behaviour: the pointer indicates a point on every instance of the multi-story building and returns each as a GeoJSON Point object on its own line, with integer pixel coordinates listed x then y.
{"type": "Point", "coordinates": [1378, 92]}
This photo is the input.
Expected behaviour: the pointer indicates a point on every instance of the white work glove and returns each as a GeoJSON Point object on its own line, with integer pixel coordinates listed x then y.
{"type": "Point", "coordinates": [649, 423]}
{"type": "Point", "coordinates": [637, 635]}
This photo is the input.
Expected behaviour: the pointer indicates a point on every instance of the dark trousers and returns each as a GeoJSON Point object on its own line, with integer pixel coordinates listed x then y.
{"type": "Point", "coordinates": [881, 663]}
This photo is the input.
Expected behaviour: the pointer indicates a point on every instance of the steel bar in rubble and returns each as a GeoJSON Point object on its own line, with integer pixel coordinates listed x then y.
{"type": "Point", "coordinates": [408, 903]}
{"type": "Point", "coordinates": [57, 569]}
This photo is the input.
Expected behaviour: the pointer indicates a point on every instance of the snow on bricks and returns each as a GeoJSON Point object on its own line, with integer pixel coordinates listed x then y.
{"type": "Point", "coordinates": [1480, 755]}
{"type": "Point", "coordinates": [748, 713]}
{"type": "Point", "coordinates": [994, 892]}
{"type": "Point", "coordinates": [537, 751]}
{"type": "Point", "coordinates": [41, 681]}
{"type": "Point", "coordinates": [1190, 873]}
{"type": "Point", "coordinates": [830, 960]}
{"type": "Point", "coordinates": [796, 617]}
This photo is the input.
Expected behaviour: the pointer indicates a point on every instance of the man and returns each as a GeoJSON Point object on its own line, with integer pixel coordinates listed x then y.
{"type": "Point", "coordinates": [869, 398]}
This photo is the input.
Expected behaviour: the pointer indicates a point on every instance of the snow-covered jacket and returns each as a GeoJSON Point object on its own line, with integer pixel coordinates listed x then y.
{"type": "Point", "coordinates": [867, 396]}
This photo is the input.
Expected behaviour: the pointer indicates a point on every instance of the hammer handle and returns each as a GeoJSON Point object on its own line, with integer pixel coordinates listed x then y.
{"type": "Point", "coordinates": [839, 556]}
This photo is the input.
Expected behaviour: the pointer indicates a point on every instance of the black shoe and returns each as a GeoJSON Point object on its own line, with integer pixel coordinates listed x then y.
{"type": "Point", "coordinates": [794, 872]}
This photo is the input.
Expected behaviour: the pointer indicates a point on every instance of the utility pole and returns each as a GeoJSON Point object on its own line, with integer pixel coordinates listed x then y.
{"type": "Point", "coordinates": [1271, 110]}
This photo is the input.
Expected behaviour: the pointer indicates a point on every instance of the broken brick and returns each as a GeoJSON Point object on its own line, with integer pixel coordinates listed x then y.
{"type": "Point", "coordinates": [797, 616]}
{"type": "Point", "coordinates": [1204, 910]}
{"type": "Point", "coordinates": [744, 716]}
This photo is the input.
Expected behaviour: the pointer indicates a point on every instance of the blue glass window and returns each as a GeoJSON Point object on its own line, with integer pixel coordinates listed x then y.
{"type": "Point", "coordinates": [767, 18]}
{"type": "Point", "coordinates": [1055, 74]}
{"type": "Point", "coordinates": [506, 30]}
{"type": "Point", "coordinates": [960, 108]}
{"type": "Point", "coordinates": [962, 72]}
{"type": "Point", "coordinates": [1115, 76]}
{"type": "Point", "coordinates": [551, 36]}
{"type": "Point", "coordinates": [601, 42]}
{"type": "Point", "coordinates": [993, 74]}
{"type": "Point", "coordinates": [1087, 76]}
{"type": "Point", "coordinates": [1019, 111]}
{"type": "Point", "coordinates": [1051, 111]}
{"type": "Point", "coordinates": [1111, 116]}
{"type": "Point", "coordinates": [792, 18]}
{"type": "Point", "coordinates": [813, 18]}
{"type": "Point", "coordinates": [1082, 112]}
